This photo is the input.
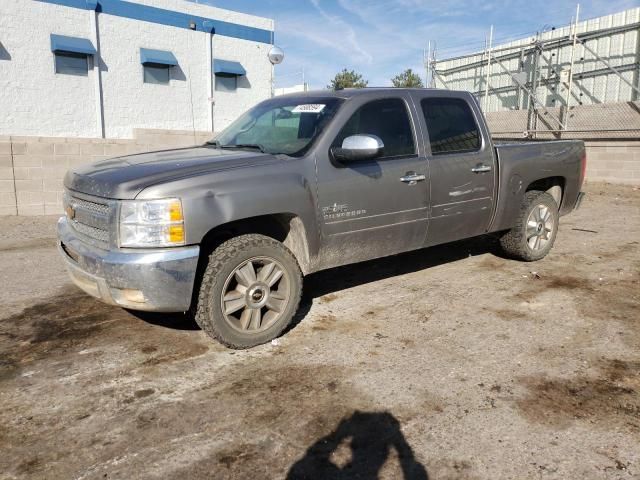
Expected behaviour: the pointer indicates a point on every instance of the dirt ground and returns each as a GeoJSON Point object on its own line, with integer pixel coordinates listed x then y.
{"type": "Point", "coordinates": [448, 363]}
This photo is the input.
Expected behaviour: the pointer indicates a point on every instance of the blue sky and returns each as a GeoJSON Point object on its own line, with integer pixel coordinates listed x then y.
{"type": "Point", "coordinates": [380, 38]}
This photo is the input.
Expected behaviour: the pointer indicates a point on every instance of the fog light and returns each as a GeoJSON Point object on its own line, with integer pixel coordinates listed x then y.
{"type": "Point", "coordinates": [127, 296]}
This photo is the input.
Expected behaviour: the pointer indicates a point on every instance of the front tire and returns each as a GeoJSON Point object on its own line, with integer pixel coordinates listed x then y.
{"type": "Point", "coordinates": [535, 230]}
{"type": "Point", "coordinates": [250, 291]}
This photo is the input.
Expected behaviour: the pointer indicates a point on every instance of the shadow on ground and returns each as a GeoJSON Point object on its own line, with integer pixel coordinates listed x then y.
{"type": "Point", "coordinates": [340, 278]}
{"type": "Point", "coordinates": [174, 321]}
{"type": "Point", "coordinates": [358, 448]}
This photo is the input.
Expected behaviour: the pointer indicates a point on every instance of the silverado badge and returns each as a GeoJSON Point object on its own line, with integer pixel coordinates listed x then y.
{"type": "Point", "coordinates": [336, 211]}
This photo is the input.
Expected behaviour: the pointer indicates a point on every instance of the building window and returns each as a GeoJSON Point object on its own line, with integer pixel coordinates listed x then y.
{"type": "Point", "coordinates": [71, 54]}
{"type": "Point", "coordinates": [226, 84]}
{"type": "Point", "coordinates": [227, 73]}
{"type": "Point", "coordinates": [450, 125]}
{"type": "Point", "coordinates": [157, 65]}
{"type": "Point", "coordinates": [72, 64]}
{"type": "Point", "coordinates": [156, 74]}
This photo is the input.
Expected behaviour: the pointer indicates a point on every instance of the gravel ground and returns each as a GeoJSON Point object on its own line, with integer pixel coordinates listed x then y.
{"type": "Point", "coordinates": [451, 363]}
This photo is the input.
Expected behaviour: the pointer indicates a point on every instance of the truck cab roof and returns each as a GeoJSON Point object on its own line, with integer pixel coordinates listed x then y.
{"type": "Point", "coordinates": [347, 93]}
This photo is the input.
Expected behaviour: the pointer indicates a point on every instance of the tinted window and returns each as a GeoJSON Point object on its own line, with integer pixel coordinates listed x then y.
{"type": "Point", "coordinates": [226, 84]}
{"type": "Point", "coordinates": [285, 125]}
{"type": "Point", "coordinates": [389, 120]}
{"type": "Point", "coordinates": [451, 125]}
{"type": "Point", "coordinates": [70, 64]}
{"type": "Point", "coordinates": [158, 75]}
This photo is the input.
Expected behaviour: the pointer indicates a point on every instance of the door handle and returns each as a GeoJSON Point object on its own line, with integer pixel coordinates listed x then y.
{"type": "Point", "coordinates": [481, 168]}
{"type": "Point", "coordinates": [412, 178]}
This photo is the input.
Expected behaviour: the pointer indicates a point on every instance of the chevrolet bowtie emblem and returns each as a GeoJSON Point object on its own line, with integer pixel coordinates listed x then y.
{"type": "Point", "coordinates": [71, 213]}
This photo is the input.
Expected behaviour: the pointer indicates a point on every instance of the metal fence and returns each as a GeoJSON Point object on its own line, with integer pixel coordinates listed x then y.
{"type": "Point", "coordinates": [589, 62]}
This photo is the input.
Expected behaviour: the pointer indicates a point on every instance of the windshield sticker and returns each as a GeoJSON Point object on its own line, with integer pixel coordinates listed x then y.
{"type": "Point", "coordinates": [309, 108]}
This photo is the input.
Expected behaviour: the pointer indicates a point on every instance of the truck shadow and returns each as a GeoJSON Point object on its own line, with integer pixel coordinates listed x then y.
{"type": "Point", "coordinates": [359, 447]}
{"type": "Point", "coordinates": [174, 321]}
{"type": "Point", "coordinates": [340, 278]}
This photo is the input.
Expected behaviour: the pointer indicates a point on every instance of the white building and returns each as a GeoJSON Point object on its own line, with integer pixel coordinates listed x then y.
{"type": "Point", "coordinates": [102, 68]}
{"type": "Point", "coordinates": [303, 87]}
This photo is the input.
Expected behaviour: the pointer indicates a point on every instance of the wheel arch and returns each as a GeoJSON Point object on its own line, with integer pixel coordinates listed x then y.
{"type": "Point", "coordinates": [287, 228]}
{"type": "Point", "coordinates": [554, 186]}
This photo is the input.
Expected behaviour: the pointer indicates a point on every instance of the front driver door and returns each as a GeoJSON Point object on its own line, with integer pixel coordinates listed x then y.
{"type": "Point", "coordinates": [370, 209]}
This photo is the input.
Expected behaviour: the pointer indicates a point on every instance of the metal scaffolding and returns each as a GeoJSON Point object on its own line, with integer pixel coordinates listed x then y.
{"type": "Point", "coordinates": [584, 63]}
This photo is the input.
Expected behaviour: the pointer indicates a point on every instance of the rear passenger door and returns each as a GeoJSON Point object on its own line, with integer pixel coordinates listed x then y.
{"type": "Point", "coordinates": [370, 208]}
{"type": "Point", "coordinates": [461, 165]}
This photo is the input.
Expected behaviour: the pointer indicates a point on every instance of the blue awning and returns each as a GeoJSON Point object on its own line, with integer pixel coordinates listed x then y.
{"type": "Point", "coordinates": [157, 57]}
{"type": "Point", "coordinates": [228, 68]}
{"type": "Point", "coordinates": [60, 43]}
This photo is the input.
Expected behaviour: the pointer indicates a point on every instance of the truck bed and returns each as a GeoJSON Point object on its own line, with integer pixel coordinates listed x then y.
{"type": "Point", "coordinates": [521, 164]}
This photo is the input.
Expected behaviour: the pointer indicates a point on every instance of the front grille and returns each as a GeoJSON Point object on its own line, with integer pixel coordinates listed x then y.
{"type": "Point", "coordinates": [89, 217]}
{"type": "Point", "coordinates": [92, 232]}
{"type": "Point", "coordinates": [94, 207]}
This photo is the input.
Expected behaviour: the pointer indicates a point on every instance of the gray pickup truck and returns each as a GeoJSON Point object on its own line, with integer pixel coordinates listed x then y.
{"type": "Point", "coordinates": [301, 183]}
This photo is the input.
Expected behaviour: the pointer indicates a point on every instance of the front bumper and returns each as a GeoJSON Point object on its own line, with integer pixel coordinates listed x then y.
{"type": "Point", "coordinates": [158, 280]}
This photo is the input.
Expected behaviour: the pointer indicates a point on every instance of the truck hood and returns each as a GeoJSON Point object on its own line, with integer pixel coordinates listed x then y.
{"type": "Point", "coordinates": [125, 177]}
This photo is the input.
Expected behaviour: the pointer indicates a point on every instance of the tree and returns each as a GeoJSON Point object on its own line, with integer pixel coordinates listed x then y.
{"type": "Point", "coordinates": [347, 79]}
{"type": "Point", "coordinates": [407, 79]}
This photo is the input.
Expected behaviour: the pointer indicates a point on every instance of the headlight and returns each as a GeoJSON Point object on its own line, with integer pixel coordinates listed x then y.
{"type": "Point", "coordinates": [151, 223]}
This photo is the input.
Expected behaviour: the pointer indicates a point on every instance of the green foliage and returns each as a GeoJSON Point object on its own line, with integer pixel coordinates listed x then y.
{"type": "Point", "coordinates": [407, 79]}
{"type": "Point", "coordinates": [347, 79]}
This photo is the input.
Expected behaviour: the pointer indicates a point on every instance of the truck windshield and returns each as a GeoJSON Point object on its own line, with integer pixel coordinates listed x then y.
{"type": "Point", "coordinates": [286, 126]}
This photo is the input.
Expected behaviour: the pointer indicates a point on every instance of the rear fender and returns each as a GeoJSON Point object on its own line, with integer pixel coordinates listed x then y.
{"type": "Point", "coordinates": [523, 166]}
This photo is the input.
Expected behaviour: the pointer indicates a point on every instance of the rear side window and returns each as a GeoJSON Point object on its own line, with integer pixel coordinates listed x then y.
{"type": "Point", "coordinates": [389, 120]}
{"type": "Point", "coordinates": [451, 126]}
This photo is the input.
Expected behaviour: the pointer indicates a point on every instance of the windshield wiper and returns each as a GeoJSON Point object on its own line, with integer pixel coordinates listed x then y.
{"type": "Point", "coordinates": [254, 146]}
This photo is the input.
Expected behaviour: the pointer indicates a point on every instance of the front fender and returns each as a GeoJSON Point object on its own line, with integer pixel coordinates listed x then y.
{"type": "Point", "coordinates": [219, 198]}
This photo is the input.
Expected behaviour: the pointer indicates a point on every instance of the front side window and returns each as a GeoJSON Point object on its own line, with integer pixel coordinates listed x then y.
{"type": "Point", "coordinates": [287, 126]}
{"type": "Point", "coordinates": [451, 126]}
{"type": "Point", "coordinates": [387, 119]}
{"type": "Point", "coordinates": [72, 64]}
{"type": "Point", "coordinates": [159, 75]}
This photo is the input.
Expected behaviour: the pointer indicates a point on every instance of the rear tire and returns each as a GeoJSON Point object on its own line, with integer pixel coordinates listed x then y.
{"type": "Point", "coordinates": [250, 291]}
{"type": "Point", "coordinates": [535, 229]}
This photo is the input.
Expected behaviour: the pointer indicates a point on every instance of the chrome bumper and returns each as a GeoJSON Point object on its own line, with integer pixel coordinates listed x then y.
{"type": "Point", "coordinates": [158, 280]}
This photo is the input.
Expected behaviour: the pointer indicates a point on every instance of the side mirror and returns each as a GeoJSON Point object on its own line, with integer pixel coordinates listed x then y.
{"type": "Point", "coordinates": [358, 147]}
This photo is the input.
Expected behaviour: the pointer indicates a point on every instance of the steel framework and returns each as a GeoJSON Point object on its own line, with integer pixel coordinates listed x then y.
{"type": "Point", "coordinates": [589, 62]}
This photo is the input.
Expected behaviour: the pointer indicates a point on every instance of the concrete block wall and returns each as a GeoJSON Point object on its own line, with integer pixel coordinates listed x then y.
{"type": "Point", "coordinates": [613, 161]}
{"type": "Point", "coordinates": [611, 132]}
{"type": "Point", "coordinates": [32, 168]}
